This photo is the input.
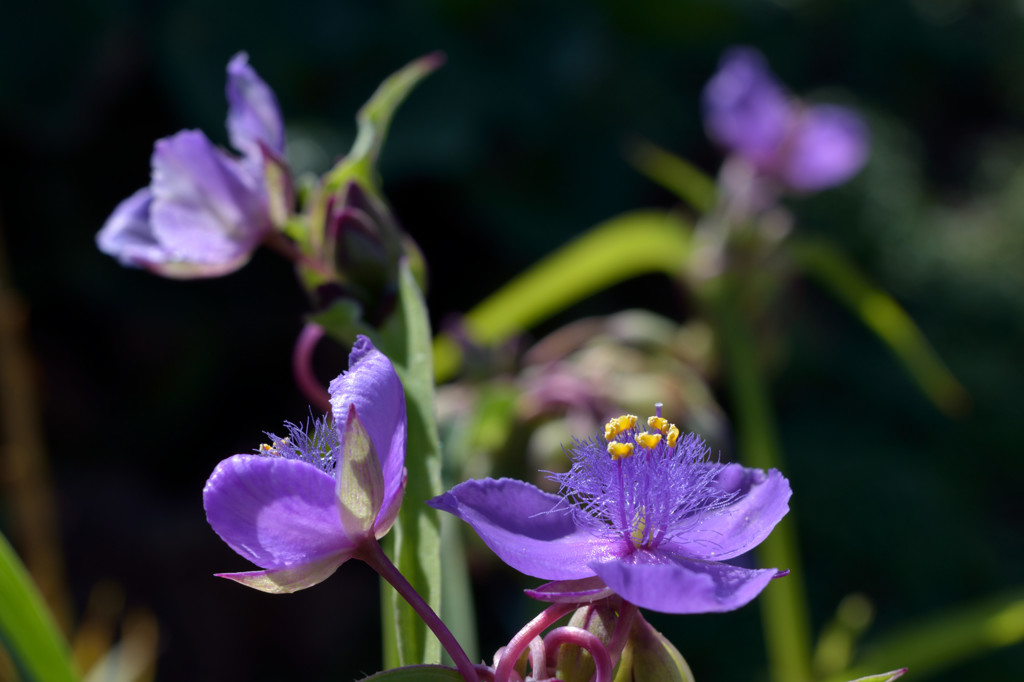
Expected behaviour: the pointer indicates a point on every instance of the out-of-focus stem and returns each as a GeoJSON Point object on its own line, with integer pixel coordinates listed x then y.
{"type": "Point", "coordinates": [302, 367]}
{"type": "Point", "coordinates": [784, 603]}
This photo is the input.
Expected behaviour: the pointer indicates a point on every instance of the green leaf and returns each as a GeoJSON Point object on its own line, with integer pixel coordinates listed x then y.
{"type": "Point", "coordinates": [676, 175]}
{"type": "Point", "coordinates": [27, 630]}
{"type": "Point", "coordinates": [635, 243]}
{"type": "Point", "coordinates": [373, 119]}
{"type": "Point", "coordinates": [416, 673]}
{"type": "Point", "coordinates": [415, 540]}
{"type": "Point", "coordinates": [882, 677]}
{"type": "Point", "coordinates": [947, 639]}
{"type": "Point", "coordinates": [884, 316]}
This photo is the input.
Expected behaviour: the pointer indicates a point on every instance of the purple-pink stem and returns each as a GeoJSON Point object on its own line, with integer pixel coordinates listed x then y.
{"type": "Point", "coordinates": [587, 640]}
{"type": "Point", "coordinates": [522, 639]}
{"type": "Point", "coordinates": [302, 367]}
{"type": "Point", "coordinates": [627, 612]}
{"type": "Point", "coordinates": [373, 555]}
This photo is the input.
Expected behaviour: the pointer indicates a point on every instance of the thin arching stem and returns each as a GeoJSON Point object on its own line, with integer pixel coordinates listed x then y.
{"type": "Point", "coordinates": [522, 639]}
{"type": "Point", "coordinates": [373, 555]}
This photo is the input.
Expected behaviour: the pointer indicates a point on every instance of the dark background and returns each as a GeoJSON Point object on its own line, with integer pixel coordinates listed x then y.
{"type": "Point", "coordinates": [508, 151]}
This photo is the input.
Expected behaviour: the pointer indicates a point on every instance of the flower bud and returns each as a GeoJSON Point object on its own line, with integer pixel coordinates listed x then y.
{"type": "Point", "coordinates": [575, 664]}
{"type": "Point", "coordinates": [649, 656]}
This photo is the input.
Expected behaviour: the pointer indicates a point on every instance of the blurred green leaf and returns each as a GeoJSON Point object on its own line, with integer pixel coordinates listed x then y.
{"type": "Point", "coordinates": [675, 174]}
{"type": "Point", "coordinates": [635, 243]}
{"type": "Point", "coordinates": [416, 673]}
{"type": "Point", "coordinates": [947, 639]}
{"type": "Point", "coordinates": [882, 677]}
{"type": "Point", "coordinates": [884, 316]}
{"type": "Point", "coordinates": [415, 539]}
{"type": "Point", "coordinates": [27, 630]}
{"type": "Point", "coordinates": [373, 119]}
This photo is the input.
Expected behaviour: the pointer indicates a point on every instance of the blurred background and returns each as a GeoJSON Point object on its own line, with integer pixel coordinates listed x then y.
{"type": "Point", "coordinates": [511, 149]}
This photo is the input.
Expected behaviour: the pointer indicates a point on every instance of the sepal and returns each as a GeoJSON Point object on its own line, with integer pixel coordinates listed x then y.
{"type": "Point", "coordinates": [360, 483]}
{"type": "Point", "coordinates": [649, 656]}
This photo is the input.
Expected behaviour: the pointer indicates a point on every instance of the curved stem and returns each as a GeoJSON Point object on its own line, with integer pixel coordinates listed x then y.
{"type": "Point", "coordinates": [373, 555]}
{"type": "Point", "coordinates": [621, 632]}
{"type": "Point", "coordinates": [586, 640]}
{"type": "Point", "coordinates": [522, 639]}
{"type": "Point", "coordinates": [302, 367]}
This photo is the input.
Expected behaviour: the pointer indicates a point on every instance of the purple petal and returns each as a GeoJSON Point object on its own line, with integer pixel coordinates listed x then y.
{"type": "Point", "coordinates": [671, 585]}
{"type": "Point", "coordinates": [283, 580]}
{"type": "Point", "coordinates": [253, 113]}
{"type": "Point", "coordinates": [742, 525]}
{"type": "Point", "coordinates": [275, 512]}
{"type": "Point", "coordinates": [829, 145]}
{"type": "Point", "coordinates": [530, 530]}
{"type": "Point", "coordinates": [373, 387]}
{"type": "Point", "coordinates": [745, 109]}
{"type": "Point", "coordinates": [206, 209]}
{"type": "Point", "coordinates": [581, 591]}
{"type": "Point", "coordinates": [128, 235]}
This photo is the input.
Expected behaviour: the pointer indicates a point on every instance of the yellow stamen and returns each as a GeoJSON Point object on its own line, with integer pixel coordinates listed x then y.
{"type": "Point", "coordinates": [612, 429]}
{"type": "Point", "coordinates": [648, 440]}
{"type": "Point", "coordinates": [620, 450]}
{"type": "Point", "coordinates": [657, 423]}
{"type": "Point", "coordinates": [673, 435]}
{"type": "Point", "coordinates": [628, 421]}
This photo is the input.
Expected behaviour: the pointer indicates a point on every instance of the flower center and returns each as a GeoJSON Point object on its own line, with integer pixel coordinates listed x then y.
{"type": "Point", "coordinates": [644, 486]}
{"type": "Point", "coordinates": [314, 443]}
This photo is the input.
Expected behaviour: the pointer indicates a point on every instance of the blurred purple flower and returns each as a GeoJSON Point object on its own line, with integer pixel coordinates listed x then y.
{"type": "Point", "coordinates": [307, 503]}
{"type": "Point", "coordinates": [806, 147]}
{"type": "Point", "coordinates": [204, 212]}
{"type": "Point", "coordinates": [646, 514]}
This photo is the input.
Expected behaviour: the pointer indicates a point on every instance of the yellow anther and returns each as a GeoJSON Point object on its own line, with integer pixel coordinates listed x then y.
{"type": "Point", "coordinates": [657, 423]}
{"type": "Point", "coordinates": [673, 435]}
{"type": "Point", "coordinates": [620, 450]}
{"type": "Point", "coordinates": [612, 429]}
{"type": "Point", "coordinates": [648, 440]}
{"type": "Point", "coordinates": [268, 449]}
{"type": "Point", "coordinates": [627, 421]}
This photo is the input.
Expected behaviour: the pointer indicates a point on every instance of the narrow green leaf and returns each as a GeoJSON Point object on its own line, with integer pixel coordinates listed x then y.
{"type": "Point", "coordinates": [416, 673]}
{"type": "Point", "coordinates": [677, 175]}
{"type": "Point", "coordinates": [944, 640]}
{"type": "Point", "coordinates": [373, 119]}
{"type": "Point", "coordinates": [882, 677]}
{"type": "Point", "coordinates": [27, 630]}
{"type": "Point", "coordinates": [416, 537]}
{"type": "Point", "coordinates": [883, 316]}
{"type": "Point", "coordinates": [635, 243]}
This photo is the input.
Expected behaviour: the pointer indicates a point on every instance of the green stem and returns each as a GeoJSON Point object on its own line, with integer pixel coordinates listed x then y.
{"type": "Point", "coordinates": [784, 603]}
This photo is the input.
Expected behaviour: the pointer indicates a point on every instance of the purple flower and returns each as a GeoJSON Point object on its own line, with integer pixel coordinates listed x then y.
{"type": "Point", "coordinates": [306, 503]}
{"type": "Point", "coordinates": [204, 212]}
{"type": "Point", "coordinates": [641, 512]}
{"type": "Point", "coordinates": [806, 147]}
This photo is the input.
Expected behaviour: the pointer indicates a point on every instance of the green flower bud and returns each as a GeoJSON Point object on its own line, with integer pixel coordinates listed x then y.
{"type": "Point", "coordinates": [649, 656]}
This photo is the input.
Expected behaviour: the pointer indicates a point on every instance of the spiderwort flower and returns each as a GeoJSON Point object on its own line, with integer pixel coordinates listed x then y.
{"type": "Point", "coordinates": [806, 147]}
{"type": "Point", "coordinates": [643, 512]}
{"type": "Point", "coordinates": [204, 211]}
{"type": "Point", "coordinates": [306, 503]}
